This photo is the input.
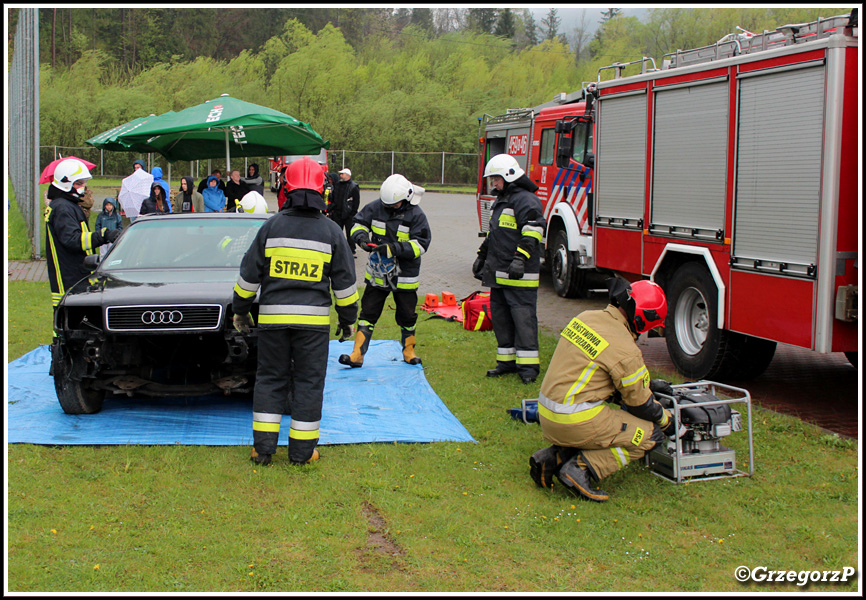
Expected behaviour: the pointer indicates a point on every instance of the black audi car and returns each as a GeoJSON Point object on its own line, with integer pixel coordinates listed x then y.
{"type": "Point", "coordinates": [154, 318]}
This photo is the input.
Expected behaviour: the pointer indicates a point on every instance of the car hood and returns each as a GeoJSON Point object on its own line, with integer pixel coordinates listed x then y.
{"type": "Point", "coordinates": [154, 286]}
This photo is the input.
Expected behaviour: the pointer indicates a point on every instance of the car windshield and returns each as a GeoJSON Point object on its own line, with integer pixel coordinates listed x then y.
{"type": "Point", "coordinates": [168, 243]}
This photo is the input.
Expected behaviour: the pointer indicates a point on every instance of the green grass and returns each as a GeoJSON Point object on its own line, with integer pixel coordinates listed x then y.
{"type": "Point", "coordinates": [442, 517]}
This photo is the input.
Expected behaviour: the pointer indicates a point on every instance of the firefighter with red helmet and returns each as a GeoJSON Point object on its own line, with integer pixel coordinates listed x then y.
{"type": "Point", "coordinates": [296, 259]}
{"type": "Point", "coordinates": [596, 361]}
{"type": "Point", "coordinates": [508, 262]}
{"type": "Point", "coordinates": [68, 236]}
{"type": "Point", "coordinates": [395, 231]}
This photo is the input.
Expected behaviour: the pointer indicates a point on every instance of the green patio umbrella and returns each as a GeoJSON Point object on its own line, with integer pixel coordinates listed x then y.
{"type": "Point", "coordinates": [225, 126]}
{"type": "Point", "coordinates": [107, 140]}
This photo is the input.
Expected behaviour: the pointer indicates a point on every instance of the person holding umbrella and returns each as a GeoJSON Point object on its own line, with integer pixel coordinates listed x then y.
{"type": "Point", "coordinates": [68, 237]}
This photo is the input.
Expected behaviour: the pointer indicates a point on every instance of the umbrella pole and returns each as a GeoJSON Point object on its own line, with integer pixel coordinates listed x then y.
{"type": "Point", "coordinates": [228, 158]}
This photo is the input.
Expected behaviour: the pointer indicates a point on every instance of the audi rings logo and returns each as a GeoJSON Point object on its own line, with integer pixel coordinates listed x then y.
{"type": "Point", "coordinates": [161, 317]}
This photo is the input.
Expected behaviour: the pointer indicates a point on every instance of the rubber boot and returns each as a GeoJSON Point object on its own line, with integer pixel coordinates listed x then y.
{"type": "Point", "coordinates": [409, 347]}
{"type": "Point", "coordinates": [545, 463]}
{"type": "Point", "coordinates": [576, 479]}
{"type": "Point", "coordinates": [362, 342]}
{"type": "Point", "coordinates": [314, 457]}
{"type": "Point", "coordinates": [262, 460]}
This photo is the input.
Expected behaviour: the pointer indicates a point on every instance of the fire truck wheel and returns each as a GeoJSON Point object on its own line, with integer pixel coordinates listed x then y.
{"type": "Point", "coordinates": [750, 356]}
{"type": "Point", "coordinates": [569, 280]}
{"type": "Point", "coordinates": [698, 348]}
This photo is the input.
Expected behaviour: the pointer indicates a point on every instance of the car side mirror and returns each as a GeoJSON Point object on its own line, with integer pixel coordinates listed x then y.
{"type": "Point", "coordinates": [91, 261]}
{"type": "Point", "coordinates": [564, 150]}
{"type": "Point", "coordinates": [589, 160]}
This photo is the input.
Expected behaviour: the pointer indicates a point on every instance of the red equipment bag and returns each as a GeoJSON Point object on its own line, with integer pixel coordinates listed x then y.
{"type": "Point", "coordinates": [476, 312]}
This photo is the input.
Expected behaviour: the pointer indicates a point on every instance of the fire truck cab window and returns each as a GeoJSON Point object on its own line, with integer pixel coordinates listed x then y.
{"type": "Point", "coordinates": [582, 142]}
{"type": "Point", "coordinates": [547, 150]}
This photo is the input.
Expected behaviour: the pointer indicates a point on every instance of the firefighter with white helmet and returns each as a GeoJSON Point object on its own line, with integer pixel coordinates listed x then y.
{"type": "Point", "coordinates": [395, 230]}
{"type": "Point", "coordinates": [508, 262]}
{"type": "Point", "coordinates": [298, 257]}
{"type": "Point", "coordinates": [597, 360]}
{"type": "Point", "coordinates": [252, 203]}
{"type": "Point", "coordinates": [68, 236]}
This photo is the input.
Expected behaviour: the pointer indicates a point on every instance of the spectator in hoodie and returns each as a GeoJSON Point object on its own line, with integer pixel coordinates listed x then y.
{"type": "Point", "coordinates": [137, 164]}
{"type": "Point", "coordinates": [220, 183]}
{"type": "Point", "coordinates": [187, 198]}
{"type": "Point", "coordinates": [157, 178]}
{"type": "Point", "coordinates": [157, 203]}
{"type": "Point", "coordinates": [109, 219]}
{"type": "Point", "coordinates": [254, 181]}
{"type": "Point", "coordinates": [235, 190]}
{"type": "Point", "coordinates": [213, 196]}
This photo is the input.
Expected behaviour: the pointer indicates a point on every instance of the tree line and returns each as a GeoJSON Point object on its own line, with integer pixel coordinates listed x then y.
{"type": "Point", "coordinates": [406, 79]}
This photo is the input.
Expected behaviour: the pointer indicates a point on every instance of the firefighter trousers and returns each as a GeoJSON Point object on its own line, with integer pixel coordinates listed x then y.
{"type": "Point", "coordinates": [515, 324]}
{"type": "Point", "coordinates": [373, 302]}
{"type": "Point", "coordinates": [608, 441]}
{"type": "Point", "coordinates": [290, 380]}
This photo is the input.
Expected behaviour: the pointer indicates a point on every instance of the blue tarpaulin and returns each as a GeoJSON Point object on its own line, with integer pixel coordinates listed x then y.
{"type": "Point", "coordinates": [386, 400]}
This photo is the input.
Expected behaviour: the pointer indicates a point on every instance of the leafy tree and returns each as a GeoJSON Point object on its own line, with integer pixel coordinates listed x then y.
{"type": "Point", "coordinates": [527, 31]}
{"type": "Point", "coordinates": [423, 19]}
{"type": "Point", "coordinates": [481, 20]}
{"type": "Point", "coordinates": [550, 24]}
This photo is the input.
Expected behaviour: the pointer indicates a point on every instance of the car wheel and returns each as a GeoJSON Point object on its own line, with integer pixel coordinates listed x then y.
{"type": "Point", "coordinates": [569, 280]}
{"type": "Point", "coordinates": [76, 397]}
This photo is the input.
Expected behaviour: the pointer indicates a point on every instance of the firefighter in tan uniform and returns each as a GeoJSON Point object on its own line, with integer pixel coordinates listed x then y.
{"type": "Point", "coordinates": [598, 361]}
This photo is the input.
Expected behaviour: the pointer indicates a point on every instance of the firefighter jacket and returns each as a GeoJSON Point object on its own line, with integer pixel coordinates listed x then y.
{"type": "Point", "coordinates": [596, 359]}
{"type": "Point", "coordinates": [297, 257]}
{"type": "Point", "coordinates": [68, 240]}
{"type": "Point", "coordinates": [516, 229]}
{"type": "Point", "coordinates": [406, 228]}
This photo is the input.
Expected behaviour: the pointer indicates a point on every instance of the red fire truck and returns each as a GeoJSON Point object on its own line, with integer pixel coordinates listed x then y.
{"type": "Point", "coordinates": [729, 176]}
{"type": "Point", "coordinates": [277, 163]}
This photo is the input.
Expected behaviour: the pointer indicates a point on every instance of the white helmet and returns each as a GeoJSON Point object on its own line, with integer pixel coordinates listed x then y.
{"type": "Point", "coordinates": [505, 166]}
{"type": "Point", "coordinates": [397, 188]}
{"type": "Point", "coordinates": [253, 202]}
{"type": "Point", "coordinates": [68, 172]}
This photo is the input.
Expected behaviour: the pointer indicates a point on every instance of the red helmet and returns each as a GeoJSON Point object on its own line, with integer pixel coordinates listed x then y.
{"type": "Point", "coordinates": [651, 307]}
{"type": "Point", "coordinates": [306, 174]}
{"type": "Point", "coordinates": [643, 301]}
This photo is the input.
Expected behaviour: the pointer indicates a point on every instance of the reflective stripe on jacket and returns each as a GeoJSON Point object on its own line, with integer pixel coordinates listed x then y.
{"type": "Point", "coordinates": [516, 230]}
{"type": "Point", "coordinates": [296, 259]}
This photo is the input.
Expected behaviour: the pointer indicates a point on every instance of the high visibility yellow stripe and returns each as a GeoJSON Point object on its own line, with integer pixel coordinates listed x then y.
{"type": "Point", "coordinates": [480, 320]}
{"type": "Point", "coordinates": [527, 360]}
{"type": "Point", "coordinates": [505, 357]}
{"type": "Point", "coordinates": [56, 263]}
{"type": "Point", "coordinates": [293, 320]}
{"type": "Point", "coordinates": [570, 418]}
{"type": "Point", "coordinates": [621, 455]}
{"type": "Point", "coordinates": [523, 252]}
{"type": "Point", "coordinates": [303, 435]}
{"type": "Point", "coordinates": [416, 248]}
{"type": "Point", "coordinates": [517, 282]}
{"type": "Point", "coordinates": [300, 253]}
{"type": "Point", "coordinates": [407, 286]}
{"type": "Point", "coordinates": [532, 234]}
{"type": "Point", "coordinates": [267, 427]}
{"type": "Point", "coordinates": [379, 230]}
{"type": "Point", "coordinates": [635, 377]}
{"type": "Point", "coordinates": [357, 227]}
{"type": "Point", "coordinates": [86, 238]}
{"type": "Point", "coordinates": [402, 236]}
{"type": "Point", "coordinates": [348, 300]}
{"type": "Point", "coordinates": [243, 293]}
{"type": "Point", "coordinates": [665, 418]}
{"type": "Point", "coordinates": [581, 382]}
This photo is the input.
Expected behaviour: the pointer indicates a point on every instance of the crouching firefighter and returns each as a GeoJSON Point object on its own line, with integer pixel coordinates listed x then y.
{"type": "Point", "coordinates": [394, 230]}
{"type": "Point", "coordinates": [508, 263]}
{"type": "Point", "coordinates": [596, 361]}
{"type": "Point", "coordinates": [297, 257]}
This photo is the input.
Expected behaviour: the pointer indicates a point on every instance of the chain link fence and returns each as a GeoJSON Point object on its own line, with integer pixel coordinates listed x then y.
{"type": "Point", "coordinates": [423, 168]}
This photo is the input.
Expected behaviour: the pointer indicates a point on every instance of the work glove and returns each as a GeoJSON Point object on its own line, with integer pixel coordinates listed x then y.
{"type": "Point", "coordinates": [515, 269]}
{"type": "Point", "coordinates": [344, 330]}
{"type": "Point", "coordinates": [388, 250]}
{"type": "Point", "coordinates": [362, 238]}
{"type": "Point", "coordinates": [671, 429]}
{"type": "Point", "coordinates": [111, 235]}
{"type": "Point", "coordinates": [478, 267]}
{"type": "Point", "coordinates": [242, 323]}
